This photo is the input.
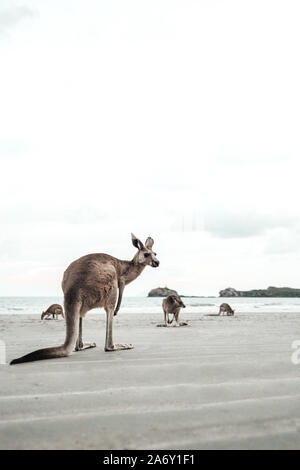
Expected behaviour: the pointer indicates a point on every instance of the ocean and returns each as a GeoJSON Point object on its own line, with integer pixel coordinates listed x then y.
{"type": "Point", "coordinates": [35, 305]}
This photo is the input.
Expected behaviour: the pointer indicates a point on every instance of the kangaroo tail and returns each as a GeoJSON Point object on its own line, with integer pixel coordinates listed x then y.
{"type": "Point", "coordinates": [72, 329]}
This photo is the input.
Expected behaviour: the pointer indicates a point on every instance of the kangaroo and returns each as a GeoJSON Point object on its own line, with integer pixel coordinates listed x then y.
{"type": "Point", "coordinates": [54, 310]}
{"type": "Point", "coordinates": [95, 281]}
{"type": "Point", "coordinates": [172, 305]}
{"type": "Point", "coordinates": [225, 308]}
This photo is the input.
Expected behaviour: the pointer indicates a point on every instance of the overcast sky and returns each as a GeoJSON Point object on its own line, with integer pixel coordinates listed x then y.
{"type": "Point", "coordinates": [172, 119]}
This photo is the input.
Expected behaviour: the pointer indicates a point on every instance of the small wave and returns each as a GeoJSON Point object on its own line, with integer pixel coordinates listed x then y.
{"type": "Point", "coordinates": [15, 308]}
{"type": "Point", "coordinates": [272, 304]}
{"type": "Point", "coordinates": [201, 305]}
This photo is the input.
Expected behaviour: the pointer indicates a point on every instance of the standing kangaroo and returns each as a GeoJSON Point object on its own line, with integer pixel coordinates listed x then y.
{"type": "Point", "coordinates": [54, 310]}
{"type": "Point", "coordinates": [225, 308]}
{"type": "Point", "coordinates": [95, 281]}
{"type": "Point", "coordinates": [172, 305]}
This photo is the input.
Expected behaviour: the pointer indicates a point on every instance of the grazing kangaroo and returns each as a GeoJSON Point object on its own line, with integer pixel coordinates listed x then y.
{"type": "Point", "coordinates": [225, 308]}
{"type": "Point", "coordinates": [171, 306]}
{"type": "Point", "coordinates": [54, 310]}
{"type": "Point", "coordinates": [95, 281]}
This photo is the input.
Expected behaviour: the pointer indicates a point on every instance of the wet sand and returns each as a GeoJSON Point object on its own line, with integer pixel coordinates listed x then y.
{"type": "Point", "coordinates": [218, 383]}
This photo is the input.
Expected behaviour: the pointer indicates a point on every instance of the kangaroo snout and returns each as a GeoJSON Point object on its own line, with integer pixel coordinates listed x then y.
{"type": "Point", "coordinates": [155, 264]}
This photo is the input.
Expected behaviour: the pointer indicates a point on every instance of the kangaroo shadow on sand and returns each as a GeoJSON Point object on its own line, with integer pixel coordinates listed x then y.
{"type": "Point", "coordinates": [181, 323]}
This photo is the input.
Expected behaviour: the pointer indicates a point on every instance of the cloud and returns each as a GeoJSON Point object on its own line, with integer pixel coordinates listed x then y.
{"type": "Point", "coordinates": [26, 213]}
{"type": "Point", "coordinates": [151, 118]}
{"type": "Point", "coordinates": [10, 16]}
{"type": "Point", "coordinates": [243, 224]}
{"type": "Point", "coordinates": [12, 147]}
{"type": "Point", "coordinates": [282, 241]}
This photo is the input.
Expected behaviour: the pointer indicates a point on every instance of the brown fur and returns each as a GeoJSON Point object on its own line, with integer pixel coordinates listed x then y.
{"type": "Point", "coordinates": [171, 306]}
{"type": "Point", "coordinates": [95, 281]}
{"type": "Point", "coordinates": [225, 308]}
{"type": "Point", "coordinates": [54, 310]}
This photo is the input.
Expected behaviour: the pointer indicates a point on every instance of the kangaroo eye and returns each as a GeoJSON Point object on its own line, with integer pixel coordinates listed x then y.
{"type": "Point", "coordinates": [146, 255]}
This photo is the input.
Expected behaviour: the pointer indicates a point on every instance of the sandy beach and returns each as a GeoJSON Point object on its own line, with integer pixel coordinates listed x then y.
{"type": "Point", "coordinates": [219, 383]}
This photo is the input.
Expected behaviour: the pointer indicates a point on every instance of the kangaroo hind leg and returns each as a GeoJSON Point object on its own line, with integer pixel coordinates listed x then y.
{"type": "Point", "coordinates": [109, 344]}
{"type": "Point", "coordinates": [166, 318]}
{"type": "Point", "coordinates": [80, 346]}
{"type": "Point", "coordinates": [109, 308]}
{"type": "Point", "coordinates": [176, 316]}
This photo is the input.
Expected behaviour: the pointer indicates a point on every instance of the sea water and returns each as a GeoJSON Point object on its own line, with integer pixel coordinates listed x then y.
{"type": "Point", "coordinates": [144, 305]}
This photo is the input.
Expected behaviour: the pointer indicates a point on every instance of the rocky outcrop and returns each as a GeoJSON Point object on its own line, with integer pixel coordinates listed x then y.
{"type": "Point", "coordinates": [161, 292]}
{"type": "Point", "coordinates": [269, 292]}
{"type": "Point", "coordinates": [229, 292]}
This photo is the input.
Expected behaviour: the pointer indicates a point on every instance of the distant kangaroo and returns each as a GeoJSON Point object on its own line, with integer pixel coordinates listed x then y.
{"type": "Point", "coordinates": [54, 310]}
{"type": "Point", "coordinates": [225, 308]}
{"type": "Point", "coordinates": [95, 281]}
{"type": "Point", "coordinates": [172, 305]}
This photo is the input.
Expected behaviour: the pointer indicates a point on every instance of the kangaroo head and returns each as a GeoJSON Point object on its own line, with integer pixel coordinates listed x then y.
{"type": "Point", "coordinates": [145, 255]}
{"type": "Point", "coordinates": [42, 316]}
{"type": "Point", "coordinates": [176, 300]}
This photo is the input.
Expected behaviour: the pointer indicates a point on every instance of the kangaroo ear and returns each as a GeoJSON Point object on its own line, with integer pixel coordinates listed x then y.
{"type": "Point", "coordinates": [136, 242]}
{"type": "Point", "coordinates": [149, 243]}
{"type": "Point", "coordinates": [171, 299]}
